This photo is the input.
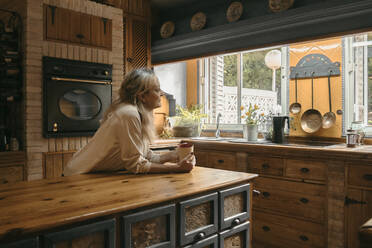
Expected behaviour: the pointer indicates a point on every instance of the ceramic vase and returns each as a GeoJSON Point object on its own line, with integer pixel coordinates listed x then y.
{"type": "Point", "coordinates": [252, 132]}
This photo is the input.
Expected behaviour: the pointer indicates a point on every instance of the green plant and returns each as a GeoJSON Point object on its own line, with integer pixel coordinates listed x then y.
{"type": "Point", "coordinates": [252, 115]}
{"type": "Point", "coordinates": [189, 116]}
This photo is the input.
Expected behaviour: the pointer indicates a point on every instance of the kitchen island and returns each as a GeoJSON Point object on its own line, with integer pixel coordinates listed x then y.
{"type": "Point", "coordinates": [306, 195]}
{"type": "Point", "coordinates": [205, 207]}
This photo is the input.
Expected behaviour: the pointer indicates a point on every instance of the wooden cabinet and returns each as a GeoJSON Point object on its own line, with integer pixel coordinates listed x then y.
{"type": "Point", "coordinates": [358, 201]}
{"type": "Point", "coordinates": [290, 190]}
{"type": "Point", "coordinates": [12, 167]}
{"type": "Point", "coordinates": [100, 235]}
{"type": "Point", "coordinates": [137, 43]}
{"type": "Point", "coordinates": [27, 243]}
{"type": "Point", "coordinates": [70, 26]}
{"type": "Point", "coordinates": [150, 228]}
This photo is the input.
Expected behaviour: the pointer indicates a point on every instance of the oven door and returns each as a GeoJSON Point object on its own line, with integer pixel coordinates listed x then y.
{"type": "Point", "coordinates": [74, 108]}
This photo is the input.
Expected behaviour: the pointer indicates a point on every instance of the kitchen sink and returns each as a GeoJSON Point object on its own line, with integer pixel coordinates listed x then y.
{"type": "Point", "coordinates": [309, 143]}
{"type": "Point", "coordinates": [212, 138]}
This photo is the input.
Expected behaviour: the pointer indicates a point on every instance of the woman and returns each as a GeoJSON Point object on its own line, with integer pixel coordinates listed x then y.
{"type": "Point", "coordinates": [122, 141]}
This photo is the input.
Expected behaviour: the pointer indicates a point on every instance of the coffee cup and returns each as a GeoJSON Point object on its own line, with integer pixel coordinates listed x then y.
{"type": "Point", "coordinates": [184, 149]}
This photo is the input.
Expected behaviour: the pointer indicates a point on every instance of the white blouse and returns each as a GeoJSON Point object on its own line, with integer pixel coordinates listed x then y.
{"type": "Point", "coordinates": [118, 144]}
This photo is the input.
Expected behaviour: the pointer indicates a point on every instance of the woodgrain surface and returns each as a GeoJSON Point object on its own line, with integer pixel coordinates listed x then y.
{"type": "Point", "coordinates": [29, 207]}
{"type": "Point", "coordinates": [337, 151]}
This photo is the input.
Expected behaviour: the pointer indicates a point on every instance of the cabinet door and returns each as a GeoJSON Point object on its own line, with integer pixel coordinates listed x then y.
{"type": "Point", "coordinates": [11, 174]}
{"type": "Point", "coordinates": [28, 243]}
{"type": "Point", "coordinates": [150, 228]}
{"type": "Point", "coordinates": [236, 237]}
{"type": "Point", "coordinates": [358, 211]}
{"type": "Point", "coordinates": [198, 218]}
{"type": "Point", "coordinates": [101, 32]}
{"type": "Point", "coordinates": [210, 242]}
{"type": "Point", "coordinates": [137, 43]}
{"type": "Point", "coordinates": [201, 158]}
{"type": "Point", "coordinates": [80, 28]}
{"type": "Point", "coordinates": [98, 235]}
{"type": "Point", "coordinates": [234, 206]}
{"type": "Point", "coordinates": [57, 23]}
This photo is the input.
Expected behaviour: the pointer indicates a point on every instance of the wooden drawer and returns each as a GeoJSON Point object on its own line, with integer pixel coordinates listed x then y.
{"type": "Point", "coordinates": [295, 199]}
{"type": "Point", "coordinates": [236, 237]}
{"type": "Point", "coordinates": [11, 174]}
{"type": "Point", "coordinates": [198, 218]}
{"type": "Point", "coordinates": [100, 235]}
{"type": "Point", "coordinates": [222, 160]}
{"type": "Point", "coordinates": [271, 230]}
{"type": "Point", "coordinates": [234, 206]}
{"type": "Point", "coordinates": [360, 175]}
{"type": "Point", "coordinates": [311, 170]}
{"type": "Point", "coordinates": [201, 158]}
{"type": "Point", "coordinates": [268, 166]}
{"type": "Point", "coordinates": [210, 242]}
{"type": "Point", "coordinates": [150, 228]}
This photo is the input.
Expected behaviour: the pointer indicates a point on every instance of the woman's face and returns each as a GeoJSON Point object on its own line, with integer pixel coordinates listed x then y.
{"type": "Point", "coordinates": [151, 99]}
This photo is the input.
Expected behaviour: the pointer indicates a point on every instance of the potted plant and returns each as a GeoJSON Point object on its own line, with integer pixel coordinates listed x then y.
{"type": "Point", "coordinates": [187, 121]}
{"type": "Point", "coordinates": [252, 117]}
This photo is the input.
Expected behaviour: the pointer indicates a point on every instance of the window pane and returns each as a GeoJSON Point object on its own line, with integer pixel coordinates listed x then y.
{"type": "Point", "coordinates": [359, 72]}
{"type": "Point", "coordinates": [369, 86]}
{"type": "Point", "coordinates": [231, 81]}
{"type": "Point", "coordinates": [230, 70]}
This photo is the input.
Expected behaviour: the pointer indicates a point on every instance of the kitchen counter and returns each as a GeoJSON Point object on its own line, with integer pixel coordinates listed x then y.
{"type": "Point", "coordinates": [335, 151]}
{"type": "Point", "coordinates": [35, 206]}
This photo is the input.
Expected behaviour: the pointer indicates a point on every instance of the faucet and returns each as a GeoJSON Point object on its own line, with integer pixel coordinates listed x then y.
{"type": "Point", "coordinates": [218, 132]}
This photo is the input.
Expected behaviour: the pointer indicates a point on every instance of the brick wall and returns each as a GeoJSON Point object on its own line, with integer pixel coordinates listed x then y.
{"type": "Point", "coordinates": [36, 48]}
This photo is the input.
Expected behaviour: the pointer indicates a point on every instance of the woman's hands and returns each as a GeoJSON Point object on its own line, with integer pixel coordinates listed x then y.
{"type": "Point", "coordinates": [187, 164]}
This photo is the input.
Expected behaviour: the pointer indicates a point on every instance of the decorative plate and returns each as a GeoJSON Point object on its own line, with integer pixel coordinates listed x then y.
{"type": "Point", "coordinates": [198, 21]}
{"type": "Point", "coordinates": [280, 5]}
{"type": "Point", "coordinates": [234, 12]}
{"type": "Point", "coordinates": [167, 29]}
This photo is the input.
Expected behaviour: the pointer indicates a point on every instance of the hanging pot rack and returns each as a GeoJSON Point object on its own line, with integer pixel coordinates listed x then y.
{"type": "Point", "coordinates": [314, 65]}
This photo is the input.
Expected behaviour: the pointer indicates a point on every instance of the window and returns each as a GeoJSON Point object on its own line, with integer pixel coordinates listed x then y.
{"type": "Point", "coordinates": [358, 81]}
{"type": "Point", "coordinates": [236, 80]}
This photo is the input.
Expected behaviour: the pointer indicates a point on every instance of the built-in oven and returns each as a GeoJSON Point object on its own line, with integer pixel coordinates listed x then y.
{"type": "Point", "coordinates": [75, 96]}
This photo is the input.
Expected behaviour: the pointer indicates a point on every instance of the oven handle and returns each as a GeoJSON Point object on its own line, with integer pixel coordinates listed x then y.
{"type": "Point", "coordinates": [80, 80]}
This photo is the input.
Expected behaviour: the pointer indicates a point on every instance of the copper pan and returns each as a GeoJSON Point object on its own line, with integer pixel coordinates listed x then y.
{"type": "Point", "coordinates": [311, 120]}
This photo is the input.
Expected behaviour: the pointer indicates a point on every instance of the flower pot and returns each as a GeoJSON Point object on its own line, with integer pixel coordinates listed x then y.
{"type": "Point", "coordinates": [186, 131]}
{"type": "Point", "coordinates": [252, 132]}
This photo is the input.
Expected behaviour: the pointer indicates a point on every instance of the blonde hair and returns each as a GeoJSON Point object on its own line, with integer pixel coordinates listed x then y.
{"type": "Point", "coordinates": [135, 83]}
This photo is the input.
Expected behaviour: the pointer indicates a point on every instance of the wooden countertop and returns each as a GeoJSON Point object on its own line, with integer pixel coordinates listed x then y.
{"type": "Point", "coordinates": [31, 207]}
{"type": "Point", "coordinates": [337, 151]}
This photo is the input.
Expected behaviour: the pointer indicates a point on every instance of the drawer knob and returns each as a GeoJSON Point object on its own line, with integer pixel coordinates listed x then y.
{"type": "Point", "coordinates": [266, 228]}
{"type": "Point", "coordinates": [266, 194]}
{"type": "Point", "coordinates": [367, 177]}
{"type": "Point", "coordinates": [200, 236]}
{"type": "Point", "coordinates": [80, 36]}
{"type": "Point", "coordinates": [220, 161]}
{"type": "Point", "coordinates": [265, 166]}
{"type": "Point", "coordinates": [235, 222]}
{"type": "Point", "coordinates": [305, 170]}
{"type": "Point", "coordinates": [304, 238]}
{"type": "Point", "coordinates": [304, 200]}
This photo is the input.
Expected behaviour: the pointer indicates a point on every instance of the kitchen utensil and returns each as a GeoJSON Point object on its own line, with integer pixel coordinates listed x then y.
{"type": "Point", "coordinates": [295, 107]}
{"type": "Point", "coordinates": [329, 118]}
{"type": "Point", "coordinates": [278, 128]}
{"type": "Point", "coordinates": [311, 120]}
